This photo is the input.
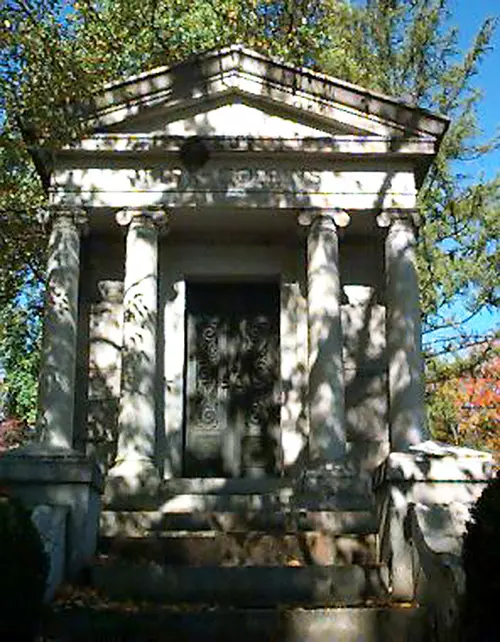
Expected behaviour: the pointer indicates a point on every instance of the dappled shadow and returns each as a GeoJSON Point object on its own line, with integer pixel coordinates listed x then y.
{"type": "Point", "coordinates": [237, 197]}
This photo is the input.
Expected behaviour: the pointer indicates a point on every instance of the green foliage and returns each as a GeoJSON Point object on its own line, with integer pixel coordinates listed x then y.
{"type": "Point", "coordinates": [57, 52]}
{"type": "Point", "coordinates": [481, 560]}
{"type": "Point", "coordinates": [20, 335]}
{"type": "Point", "coordinates": [24, 567]}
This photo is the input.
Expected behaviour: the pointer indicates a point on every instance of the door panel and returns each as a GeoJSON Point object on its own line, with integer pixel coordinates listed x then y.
{"type": "Point", "coordinates": [232, 409]}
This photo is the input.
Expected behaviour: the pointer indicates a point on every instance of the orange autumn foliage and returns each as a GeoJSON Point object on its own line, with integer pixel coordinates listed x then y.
{"type": "Point", "coordinates": [465, 406]}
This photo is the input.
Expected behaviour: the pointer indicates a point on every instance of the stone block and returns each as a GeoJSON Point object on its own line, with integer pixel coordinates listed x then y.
{"type": "Point", "coordinates": [249, 586]}
{"type": "Point", "coordinates": [366, 407]}
{"type": "Point", "coordinates": [363, 332]}
{"type": "Point", "coordinates": [40, 474]}
{"type": "Point", "coordinates": [51, 522]}
{"type": "Point", "coordinates": [431, 474]}
{"type": "Point", "coordinates": [253, 548]}
{"type": "Point", "coordinates": [140, 523]}
{"type": "Point", "coordinates": [104, 383]}
{"type": "Point", "coordinates": [102, 431]}
{"type": "Point", "coordinates": [354, 624]}
{"type": "Point", "coordinates": [367, 455]}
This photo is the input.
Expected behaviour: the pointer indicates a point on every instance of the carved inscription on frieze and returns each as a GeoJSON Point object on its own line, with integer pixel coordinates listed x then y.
{"type": "Point", "coordinates": [236, 183]}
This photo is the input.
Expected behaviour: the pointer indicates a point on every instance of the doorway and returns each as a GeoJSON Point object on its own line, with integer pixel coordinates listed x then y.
{"type": "Point", "coordinates": [232, 410]}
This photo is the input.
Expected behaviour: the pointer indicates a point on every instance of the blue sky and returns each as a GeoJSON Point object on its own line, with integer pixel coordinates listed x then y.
{"type": "Point", "coordinates": [468, 16]}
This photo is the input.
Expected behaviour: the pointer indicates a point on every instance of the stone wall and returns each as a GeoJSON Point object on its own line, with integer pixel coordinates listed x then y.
{"type": "Point", "coordinates": [363, 324]}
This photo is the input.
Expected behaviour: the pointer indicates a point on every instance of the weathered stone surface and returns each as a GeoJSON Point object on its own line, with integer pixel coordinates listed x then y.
{"type": "Point", "coordinates": [250, 586]}
{"type": "Point", "coordinates": [366, 406]}
{"type": "Point", "coordinates": [363, 333]}
{"type": "Point", "coordinates": [368, 455]}
{"type": "Point", "coordinates": [251, 548]}
{"type": "Point", "coordinates": [432, 461]}
{"type": "Point", "coordinates": [58, 356]}
{"type": "Point", "coordinates": [51, 522]}
{"type": "Point", "coordinates": [102, 431]}
{"type": "Point", "coordinates": [407, 416]}
{"type": "Point", "coordinates": [38, 474]}
{"type": "Point", "coordinates": [431, 475]}
{"type": "Point", "coordinates": [134, 523]}
{"type": "Point", "coordinates": [356, 624]}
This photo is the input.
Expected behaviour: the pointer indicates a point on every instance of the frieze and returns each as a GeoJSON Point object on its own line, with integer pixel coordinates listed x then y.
{"type": "Point", "coordinates": [238, 182]}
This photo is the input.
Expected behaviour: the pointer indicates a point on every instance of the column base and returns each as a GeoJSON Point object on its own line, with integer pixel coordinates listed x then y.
{"type": "Point", "coordinates": [131, 476]}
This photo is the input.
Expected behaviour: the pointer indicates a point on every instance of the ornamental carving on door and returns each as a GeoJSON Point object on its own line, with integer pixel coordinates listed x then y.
{"type": "Point", "coordinates": [232, 414]}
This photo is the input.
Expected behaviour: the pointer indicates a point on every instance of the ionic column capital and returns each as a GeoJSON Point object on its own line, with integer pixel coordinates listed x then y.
{"type": "Point", "coordinates": [397, 219]}
{"type": "Point", "coordinates": [325, 218]}
{"type": "Point", "coordinates": [152, 217]}
{"type": "Point", "coordinates": [66, 216]}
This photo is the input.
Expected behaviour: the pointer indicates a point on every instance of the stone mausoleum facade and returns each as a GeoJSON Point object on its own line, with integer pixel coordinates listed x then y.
{"type": "Point", "coordinates": [234, 242]}
{"type": "Point", "coordinates": [233, 324]}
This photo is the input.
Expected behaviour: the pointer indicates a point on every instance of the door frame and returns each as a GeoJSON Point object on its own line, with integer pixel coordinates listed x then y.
{"type": "Point", "coordinates": [236, 449]}
{"type": "Point", "coordinates": [240, 262]}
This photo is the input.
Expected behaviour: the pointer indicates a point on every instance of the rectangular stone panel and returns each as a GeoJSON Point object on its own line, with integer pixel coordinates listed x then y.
{"type": "Point", "coordinates": [105, 334]}
{"type": "Point", "coordinates": [104, 383]}
{"type": "Point", "coordinates": [105, 343]}
{"type": "Point", "coordinates": [368, 455]}
{"type": "Point", "coordinates": [366, 406]}
{"type": "Point", "coordinates": [363, 330]}
{"type": "Point", "coordinates": [102, 423]}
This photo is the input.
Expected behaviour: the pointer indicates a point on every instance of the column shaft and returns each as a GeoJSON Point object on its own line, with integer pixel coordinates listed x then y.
{"type": "Point", "coordinates": [137, 414]}
{"type": "Point", "coordinates": [326, 377]}
{"type": "Point", "coordinates": [406, 377]}
{"type": "Point", "coordinates": [56, 396]}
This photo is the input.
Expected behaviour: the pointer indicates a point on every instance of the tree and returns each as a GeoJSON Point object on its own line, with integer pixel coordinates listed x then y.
{"type": "Point", "coordinates": [464, 398]}
{"type": "Point", "coordinates": [57, 52]}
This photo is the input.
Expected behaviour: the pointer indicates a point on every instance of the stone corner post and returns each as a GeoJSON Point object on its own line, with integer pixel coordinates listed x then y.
{"type": "Point", "coordinates": [136, 456]}
{"type": "Point", "coordinates": [327, 440]}
{"type": "Point", "coordinates": [56, 394]}
{"type": "Point", "coordinates": [407, 418]}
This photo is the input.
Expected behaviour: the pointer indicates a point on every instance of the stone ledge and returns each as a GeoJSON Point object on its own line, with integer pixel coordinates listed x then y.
{"type": "Point", "coordinates": [37, 463]}
{"type": "Point", "coordinates": [141, 523]}
{"type": "Point", "coordinates": [435, 462]}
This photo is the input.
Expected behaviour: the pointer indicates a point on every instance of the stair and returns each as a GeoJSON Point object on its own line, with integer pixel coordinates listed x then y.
{"type": "Point", "coordinates": [158, 624]}
{"type": "Point", "coordinates": [242, 560]}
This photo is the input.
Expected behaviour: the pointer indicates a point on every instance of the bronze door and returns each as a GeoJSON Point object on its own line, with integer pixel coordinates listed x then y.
{"type": "Point", "coordinates": [232, 394]}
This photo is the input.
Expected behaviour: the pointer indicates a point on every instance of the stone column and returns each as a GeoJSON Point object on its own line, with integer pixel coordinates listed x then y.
{"type": "Point", "coordinates": [135, 461]}
{"type": "Point", "coordinates": [327, 439]}
{"type": "Point", "coordinates": [56, 395]}
{"type": "Point", "coordinates": [407, 419]}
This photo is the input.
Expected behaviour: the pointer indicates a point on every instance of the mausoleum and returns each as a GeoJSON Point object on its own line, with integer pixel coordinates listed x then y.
{"type": "Point", "coordinates": [242, 274]}
{"type": "Point", "coordinates": [233, 322]}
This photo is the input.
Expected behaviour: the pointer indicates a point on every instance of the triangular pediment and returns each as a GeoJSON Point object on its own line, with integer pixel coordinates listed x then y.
{"type": "Point", "coordinates": [230, 115]}
{"type": "Point", "coordinates": [237, 92]}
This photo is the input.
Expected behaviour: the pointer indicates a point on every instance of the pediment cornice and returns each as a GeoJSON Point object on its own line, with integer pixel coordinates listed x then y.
{"type": "Point", "coordinates": [240, 72]}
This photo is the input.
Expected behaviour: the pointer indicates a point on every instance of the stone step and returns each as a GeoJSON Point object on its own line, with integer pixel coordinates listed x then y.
{"type": "Point", "coordinates": [253, 548]}
{"type": "Point", "coordinates": [283, 499]}
{"type": "Point", "coordinates": [140, 523]}
{"type": "Point", "coordinates": [348, 493]}
{"type": "Point", "coordinates": [253, 586]}
{"type": "Point", "coordinates": [167, 624]}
